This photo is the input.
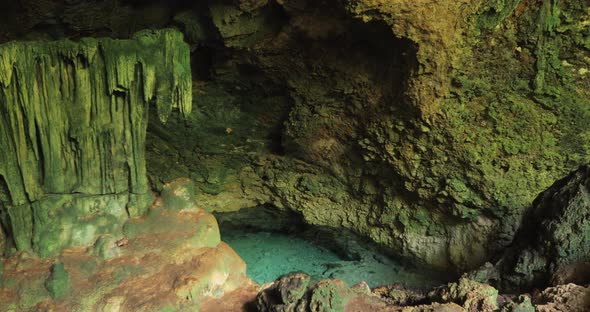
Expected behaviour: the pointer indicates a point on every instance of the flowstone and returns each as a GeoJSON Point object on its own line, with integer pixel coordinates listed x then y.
{"type": "Point", "coordinates": [73, 119]}
{"type": "Point", "coordinates": [170, 259]}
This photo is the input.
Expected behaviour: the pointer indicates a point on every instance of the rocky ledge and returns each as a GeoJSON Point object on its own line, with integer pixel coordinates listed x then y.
{"type": "Point", "coordinates": [294, 293]}
{"type": "Point", "coordinates": [172, 259]}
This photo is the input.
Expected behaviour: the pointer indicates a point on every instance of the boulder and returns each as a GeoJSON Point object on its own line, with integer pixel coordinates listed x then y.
{"type": "Point", "coordinates": [570, 298]}
{"type": "Point", "coordinates": [471, 295]}
{"type": "Point", "coordinates": [554, 234]}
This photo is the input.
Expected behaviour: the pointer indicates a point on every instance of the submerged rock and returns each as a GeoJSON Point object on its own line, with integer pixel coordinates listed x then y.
{"type": "Point", "coordinates": [366, 115]}
{"type": "Point", "coordinates": [410, 127]}
{"type": "Point", "coordinates": [380, 119]}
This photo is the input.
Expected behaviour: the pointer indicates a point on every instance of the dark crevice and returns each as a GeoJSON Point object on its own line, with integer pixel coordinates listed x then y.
{"type": "Point", "coordinates": [202, 63]}
{"type": "Point", "coordinates": [41, 160]}
{"type": "Point", "coordinates": [5, 228]}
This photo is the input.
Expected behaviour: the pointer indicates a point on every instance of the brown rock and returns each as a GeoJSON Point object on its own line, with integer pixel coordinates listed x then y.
{"type": "Point", "coordinates": [471, 295]}
{"type": "Point", "coordinates": [577, 273]}
{"type": "Point", "coordinates": [570, 298]}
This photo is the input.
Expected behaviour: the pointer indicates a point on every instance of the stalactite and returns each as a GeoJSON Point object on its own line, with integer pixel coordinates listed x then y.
{"type": "Point", "coordinates": [73, 118]}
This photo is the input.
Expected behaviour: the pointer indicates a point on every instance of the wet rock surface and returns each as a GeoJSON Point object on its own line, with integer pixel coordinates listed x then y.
{"type": "Point", "coordinates": [291, 293]}
{"type": "Point", "coordinates": [171, 259]}
{"type": "Point", "coordinates": [429, 133]}
{"type": "Point", "coordinates": [384, 121]}
{"type": "Point", "coordinates": [471, 295]}
{"type": "Point", "coordinates": [66, 177]}
{"type": "Point", "coordinates": [376, 118]}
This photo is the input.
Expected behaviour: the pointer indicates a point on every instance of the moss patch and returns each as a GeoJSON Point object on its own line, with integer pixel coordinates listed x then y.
{"type": "Point", "coordinates": [73, 121]}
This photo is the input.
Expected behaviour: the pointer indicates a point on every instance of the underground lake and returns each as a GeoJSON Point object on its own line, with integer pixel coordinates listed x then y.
{"type": "Point", "coordinates": [274, 243]}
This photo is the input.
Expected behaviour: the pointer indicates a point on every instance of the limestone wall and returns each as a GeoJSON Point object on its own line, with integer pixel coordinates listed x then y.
{"type": "Point", "coordinates": [73, 119]}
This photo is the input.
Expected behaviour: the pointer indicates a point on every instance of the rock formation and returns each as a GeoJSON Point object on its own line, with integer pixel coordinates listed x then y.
{"type": "Point", "coordinates": [428, 135]}
{"type": "Point", "coordinates": [428, 126]}
{"type": "Point", "coordinates": [73, 123]}
{"type": "Point", "coordinates": [401, 120]}
{"type": "Point", "coordinates": [171, 259]}
{"type": "Point", "coordinates": [555, 234]}
{"type": "Point", "coordinates": [294, 293]}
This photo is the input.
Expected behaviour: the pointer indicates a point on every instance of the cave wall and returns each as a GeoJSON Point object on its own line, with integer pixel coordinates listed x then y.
{"type": "Point", "coordinates": [426, 125]}
{"type": "Point", "coordinates": [429, 126]}
{"type": "Point", "coordinates": [72, 133]}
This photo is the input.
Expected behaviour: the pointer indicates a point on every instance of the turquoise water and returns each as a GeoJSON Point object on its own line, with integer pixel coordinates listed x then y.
{"type": "Point", "coordinates": [269, 255]}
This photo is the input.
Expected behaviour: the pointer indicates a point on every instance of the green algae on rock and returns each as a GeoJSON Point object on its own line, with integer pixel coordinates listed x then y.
{"type": "Point", "coordinates": [435, 138]}
{"type": "Point", "coordinates": [171, 260]}
{"type": "Point", "coordinates": [429, 134]}
{"type": "Point", "coordinates": [336, 295]}
{"type": "Point", "coordinates": [72, 129]}
{"type": "Point", "coordinates": [58, 284]}
{"type": "Point", "coordinates": [555, 233]}
{"type": "Point", "coordinates": [292, 293]}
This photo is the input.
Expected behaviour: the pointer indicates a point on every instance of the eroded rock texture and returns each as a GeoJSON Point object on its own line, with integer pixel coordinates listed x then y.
{"type": "Point", "coordinates": [294, 292]}
{"type": "Point", "coordinates": [569, 297]}
{"type": "Point", "coordinates": [171, 259]}
{"type": "Point", "coordinates": [554, 236]}
{"type": "Point", "coordinates": [426, 125]}
{"type": "Point", "coordinates": [73, 119]}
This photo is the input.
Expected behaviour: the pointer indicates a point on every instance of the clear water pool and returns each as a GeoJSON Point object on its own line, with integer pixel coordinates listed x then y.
{"type": "Point", "coordinates": [270, 254]}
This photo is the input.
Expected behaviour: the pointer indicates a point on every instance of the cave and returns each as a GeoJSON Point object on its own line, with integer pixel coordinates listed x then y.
{"type": "Point", "coordinates": [242, 111]}
{"type": "Point", "coordinates": [294, 155]}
